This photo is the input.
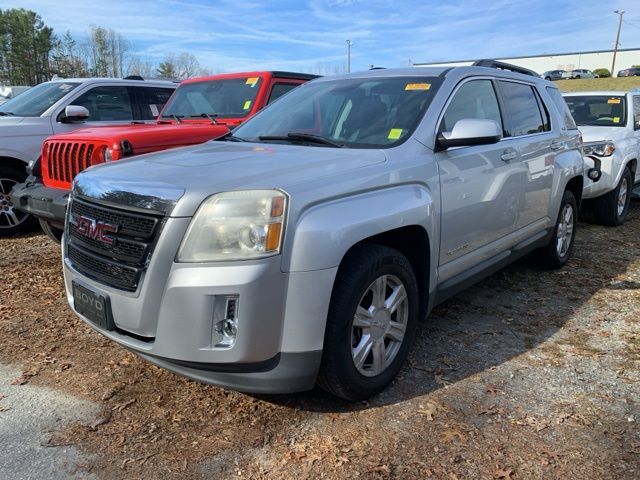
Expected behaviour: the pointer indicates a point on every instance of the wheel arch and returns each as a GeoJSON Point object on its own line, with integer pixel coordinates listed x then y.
{"type": "Point", "coordinates": [575, 185]}
{"type": "Point", "coordinates": [12, 162]}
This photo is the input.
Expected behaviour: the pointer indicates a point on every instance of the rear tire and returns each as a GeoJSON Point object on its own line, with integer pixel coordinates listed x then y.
{"type": "Point", "coordinates": [611, 209]}
{"type": "Point", "coordinates": [371, 322]}
{"type": "Point", "coordinates": [559, 249]}
{"type": "Point", "coordinates": [52, 232]}
{"type": "Point", "coordinates": [12, 221]}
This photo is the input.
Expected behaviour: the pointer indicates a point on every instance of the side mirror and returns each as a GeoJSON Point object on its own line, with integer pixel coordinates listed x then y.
{"type": "Point", "coordinates": [74, 113]}
{"type": "Point", "coordinates": [471, 131]}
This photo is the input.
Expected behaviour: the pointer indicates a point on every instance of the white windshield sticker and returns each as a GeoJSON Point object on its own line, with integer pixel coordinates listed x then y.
{"type": "Point", "coordinates": [154, 110]}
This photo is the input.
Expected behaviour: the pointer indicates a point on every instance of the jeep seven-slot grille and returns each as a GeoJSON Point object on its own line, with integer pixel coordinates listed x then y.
{"type": "Point", "coordinates": [64, 160]}
{"type": "Point", "coordinates": [109, 244]}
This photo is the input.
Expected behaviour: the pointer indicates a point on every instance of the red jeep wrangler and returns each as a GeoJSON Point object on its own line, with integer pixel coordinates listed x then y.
{"type": "Point", "coordinates": [201, 109]}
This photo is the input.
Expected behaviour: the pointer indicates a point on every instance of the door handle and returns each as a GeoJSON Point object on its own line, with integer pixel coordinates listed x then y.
{"type": "Point", "coordinates": [556, 145]}
{"type": "Point", "coordinates": [508, 154]}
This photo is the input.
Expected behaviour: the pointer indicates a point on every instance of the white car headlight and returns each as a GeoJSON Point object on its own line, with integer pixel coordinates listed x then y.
{"type": "Point", "coordinates": [238, 225]}
{"type": "Point", "coordinates": [601, 149]}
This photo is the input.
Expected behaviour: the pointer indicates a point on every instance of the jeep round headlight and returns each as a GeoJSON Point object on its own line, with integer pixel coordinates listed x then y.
{"type": "Point", "coordinates": [108, 155]}
{"type": "Point", "coordinates": [601, 149]}
{"type": "Point", "coordinates": [239, 225]}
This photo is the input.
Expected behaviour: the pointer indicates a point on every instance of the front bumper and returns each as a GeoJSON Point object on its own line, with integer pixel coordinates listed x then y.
{"type": "Point", "coordinates": [46, 203]}
{"type": "Point", "coordinates": [169, 320]}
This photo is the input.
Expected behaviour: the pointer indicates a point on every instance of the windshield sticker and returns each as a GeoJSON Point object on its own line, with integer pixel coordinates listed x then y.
{"type": "Point", "coordinates": [252, 81]}
{"type": "Point", "coordinates": [65, 87]}
{"type": "Point", "coordinates": [394, 133]}
{"type": "Point", "coordinates": [247, 105]}
{"type": "Point", "coordinates": [418, 86]}
{"type": "Point", "coordinates": [613, 100]}
{"type": "Point", "coordinates": [616, 119]}
{"type": "Point", "coordinates": [154, 110]}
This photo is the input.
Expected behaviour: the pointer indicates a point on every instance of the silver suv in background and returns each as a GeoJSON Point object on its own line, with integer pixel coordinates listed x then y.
{"type": "Point", "coordinates": [62, 106]}
{"type": "Point", "coordinates": [610, 126]}
{"type": "Point", "coordinates": [305, 246]}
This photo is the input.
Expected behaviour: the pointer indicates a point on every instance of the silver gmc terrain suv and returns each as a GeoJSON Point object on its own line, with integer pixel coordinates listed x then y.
{"type": "Point", "coordinates": [304, 247]}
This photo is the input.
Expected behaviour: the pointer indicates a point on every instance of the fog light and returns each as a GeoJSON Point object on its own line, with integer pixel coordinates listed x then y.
{"type": "Point", "coordinates": [594, 174]}
{"type": "Point", "coordinates": [225, 321]}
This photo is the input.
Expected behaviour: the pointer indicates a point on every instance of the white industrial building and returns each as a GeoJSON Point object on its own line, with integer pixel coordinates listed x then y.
{"type": "Point", "coordinates": [625, 58]}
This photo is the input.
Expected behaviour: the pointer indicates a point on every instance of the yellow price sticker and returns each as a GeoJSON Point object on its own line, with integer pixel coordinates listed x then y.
{"type": "Point", "coordinates": [252, 81]}
{"type": "Point", "coordinates": [394, 133]}
{"type": "Point", "coordinates": [247, 105]}
{"type": "Point", "coordinates": [418, 86]}
{"type": "Point", "coordinates": [613, 100]}
{"type": "Point", "coordinates": [616, 119]}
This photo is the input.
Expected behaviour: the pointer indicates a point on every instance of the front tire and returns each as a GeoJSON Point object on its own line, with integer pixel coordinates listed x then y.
{"type": "Point", "coordinates": [371, 323]}
{"type": "Point", "coordinates": [559, 249]}
{"type": "Point", "coordinates": [12, 221]}
{"type": "Point", "coordinates": [611, 209]}
{"type": "Point", "coordinates": [52, 232]}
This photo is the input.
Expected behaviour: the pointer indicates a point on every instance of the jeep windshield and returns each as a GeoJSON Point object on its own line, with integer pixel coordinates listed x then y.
{"type": "Point", "coordinates": [598, 110]}
{"type": "Point", "coordinates": [230, 98]}
{"type": "Point", "coordinates": [372, 112]}
{"type": "Point", "coordinates": [37, 100]}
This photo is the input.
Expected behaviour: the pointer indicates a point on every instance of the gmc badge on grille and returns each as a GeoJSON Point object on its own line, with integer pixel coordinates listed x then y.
{"type": "Point", "coordinates": [92, 228]}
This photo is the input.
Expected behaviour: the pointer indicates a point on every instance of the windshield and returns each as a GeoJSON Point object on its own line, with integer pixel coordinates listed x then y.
{"type": "Point", "coordinates": [232, 98]}
{"type": "Point", "coordinates": [598, 110]}
{"type": "Point", "coordinates": [37, 100]}
{"type": "Point", "coordinates": [355, 112]}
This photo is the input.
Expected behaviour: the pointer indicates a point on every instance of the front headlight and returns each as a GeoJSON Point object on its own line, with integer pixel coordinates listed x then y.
{"type": "Point", "coordinates": [239, 225]}
{"type": "Point", "coordinates": [601, 149]}
{"type": "Point", "coordinates": [108, 155]}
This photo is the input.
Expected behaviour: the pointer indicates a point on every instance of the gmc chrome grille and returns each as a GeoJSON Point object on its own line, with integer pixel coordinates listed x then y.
{"type": "Point", "coordinates": [116, 255]}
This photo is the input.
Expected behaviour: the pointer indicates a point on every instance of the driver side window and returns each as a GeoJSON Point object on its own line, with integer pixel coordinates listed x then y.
{"type": "Point", "coordinates": [474, 99]}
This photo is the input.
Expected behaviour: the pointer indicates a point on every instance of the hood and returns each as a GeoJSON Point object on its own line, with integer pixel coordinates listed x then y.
{"type": "Point", "coordinates": [25, 125]}
{"type": "Point", "coordinates": [195, 173]}
{"type": "Point", "coordinates": [598, 134]}
{"type": "Point", "coordinates": [147, 137]}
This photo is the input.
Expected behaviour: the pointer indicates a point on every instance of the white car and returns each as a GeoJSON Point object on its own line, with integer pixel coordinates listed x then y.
{"type": "Point", "coordinates": [610, 126]}
{"type": "Point", "coordinates": [578, 73]}
{"type": "Point", "coordinates": [62, 106]}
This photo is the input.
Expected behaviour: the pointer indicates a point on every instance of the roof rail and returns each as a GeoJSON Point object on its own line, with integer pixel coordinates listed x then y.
{"type": "Point", "coordinates": [504, 66]}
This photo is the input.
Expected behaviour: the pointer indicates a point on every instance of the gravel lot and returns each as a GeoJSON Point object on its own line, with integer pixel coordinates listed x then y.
{"type": "Point", "coordinates": [529, 374]}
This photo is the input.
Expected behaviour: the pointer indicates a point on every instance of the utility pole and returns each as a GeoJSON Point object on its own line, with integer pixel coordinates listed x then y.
{"type": "Point", "coordinates": [615, 47]}
{"type": "Point", "coordinates": [349, 45]}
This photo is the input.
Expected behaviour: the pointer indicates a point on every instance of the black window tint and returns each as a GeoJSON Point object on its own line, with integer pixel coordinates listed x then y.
{"type": "Point", "coordinates": [636, 112]}
{"type": "Point", "coordinates": [106, 103]}
{"type": "Point", "coordinates": [151, 101]}
{"type": "Point", "coordinates": [280, 89]}
{"type": "Point", "coordinates": [522, 108]}
{"type": "Point", "coordinates": [563, 109]}
{"type": "Point", "coordinates": [543, 111]}
{"type": "Point", "coordinates": [474, 99]}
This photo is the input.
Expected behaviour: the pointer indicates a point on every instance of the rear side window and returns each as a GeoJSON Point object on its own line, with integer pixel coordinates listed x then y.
{"type": "Point", "coordinates": [108, 103]}
{"type": "Point", "coordinates": [522, 109]}
{"type": "Point", "coordinates": [563, 109]}
{"type": "Point", "coordinates": [280, 89]}
{"type": "Point", "coordinates": [636, 112]}
{"type": "Point", "coordinates": [151, 101]}
{"type": "Point", "coordinates": [474, 99]}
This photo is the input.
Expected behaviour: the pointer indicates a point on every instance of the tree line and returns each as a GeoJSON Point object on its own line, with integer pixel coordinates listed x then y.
{"type": "Point", "coordinates": [31, 53]}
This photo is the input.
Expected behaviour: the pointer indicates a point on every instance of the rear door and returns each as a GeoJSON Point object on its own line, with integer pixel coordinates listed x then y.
{"type": "Point", "coordinates": [636, 131]}
{"type": "Point", "coordinates": [149, 101]}
{"type": "Point", "coordinates": [529, 135]}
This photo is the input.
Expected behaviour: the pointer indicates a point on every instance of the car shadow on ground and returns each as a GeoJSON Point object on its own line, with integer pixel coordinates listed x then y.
{"type": "Point", "coordinates": [511, 312]}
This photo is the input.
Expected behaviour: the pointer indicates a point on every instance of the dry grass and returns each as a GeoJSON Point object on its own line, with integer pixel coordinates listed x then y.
{"type": "Point", "coordinates": [592, 84]}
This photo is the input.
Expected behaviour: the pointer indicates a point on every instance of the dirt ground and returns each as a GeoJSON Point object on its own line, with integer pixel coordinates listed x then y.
{"type": "Point", "coordinates": [529, 374]}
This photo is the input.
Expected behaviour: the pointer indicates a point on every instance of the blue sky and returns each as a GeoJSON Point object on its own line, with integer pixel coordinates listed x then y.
{"type": "Point", "coordinates": [309, 35]}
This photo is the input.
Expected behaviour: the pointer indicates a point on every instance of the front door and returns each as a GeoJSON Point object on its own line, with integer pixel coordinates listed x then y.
{"type": "Point", "coordinates": [479, 185]}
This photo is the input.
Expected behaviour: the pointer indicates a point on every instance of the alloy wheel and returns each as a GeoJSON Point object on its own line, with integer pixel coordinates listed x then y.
{"type": "Point", "coordinates": [379, 325]}
{"type": "Point", "coordinates": [565, 231]}
{"type": "Point", "coordinates": [622, 196]}
{"type": "Point", "coordinates": [9, 216]}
